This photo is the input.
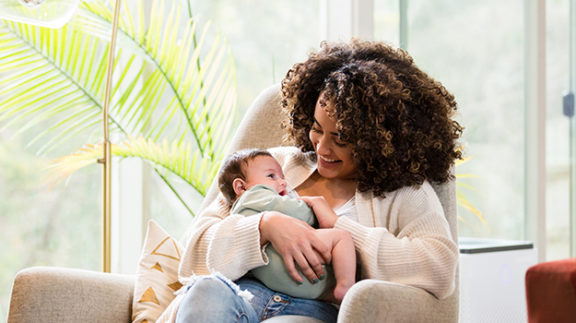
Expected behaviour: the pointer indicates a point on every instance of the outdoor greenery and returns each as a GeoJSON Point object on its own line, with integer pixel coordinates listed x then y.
{"type": "Point", "coordinates": [172, 105]}
{"type": "Point", "coordinates": [173, 95]}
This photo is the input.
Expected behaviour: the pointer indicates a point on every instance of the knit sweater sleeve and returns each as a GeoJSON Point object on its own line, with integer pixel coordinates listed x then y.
{"type": "Point", "coordinates": [219, 242]}
{"type": "Point", "coordinates": [409, 241]}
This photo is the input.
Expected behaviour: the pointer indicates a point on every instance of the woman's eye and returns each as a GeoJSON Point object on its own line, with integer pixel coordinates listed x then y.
{"type": "Point", "coordinates": [340, 144]}
{"type": "Point", "coordinates": [316, 130]}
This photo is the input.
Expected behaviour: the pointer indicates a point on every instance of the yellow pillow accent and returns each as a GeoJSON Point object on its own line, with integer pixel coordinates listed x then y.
{"type": "Point", "coordinates": [167, 248]}
{"type": "Point", "coordinates": [175, 285]}
{"type": "Point", "coordinates": [157, 267]}
{"type": "Point", "coordinates": [157, 275]}
{"type": "Point", "coordinates": [149, 296]}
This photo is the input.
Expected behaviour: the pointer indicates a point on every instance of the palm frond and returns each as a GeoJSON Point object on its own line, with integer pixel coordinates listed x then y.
{"type": "Point", "coordinates": [179, 159]}
{"type": "Point", "coordinates": [43, 82]}
{"type": "Point", "coordinates": [466, 186]}
{"type": "Point", "coordinates": [173, 157]}
{"type": "Point", "coordinates": [462, 201]}
{"type": "Point", "coordinates": [460, 198]}
{"type": "Point", "coordinates": [172, 83]}
{"type": "Point", "coordinates": [191, 78]}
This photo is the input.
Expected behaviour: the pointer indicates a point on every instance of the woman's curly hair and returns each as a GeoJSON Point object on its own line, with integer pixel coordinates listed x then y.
{"type": "Point", "coordinates": [397, 119]}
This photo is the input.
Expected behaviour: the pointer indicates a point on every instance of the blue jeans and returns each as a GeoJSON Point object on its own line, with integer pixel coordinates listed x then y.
{"type": "Point", "coordinates": [215, 299]}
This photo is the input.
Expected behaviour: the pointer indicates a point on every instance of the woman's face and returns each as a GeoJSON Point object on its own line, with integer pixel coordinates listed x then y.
{"type": "Point", "coordinates": [334, 156]}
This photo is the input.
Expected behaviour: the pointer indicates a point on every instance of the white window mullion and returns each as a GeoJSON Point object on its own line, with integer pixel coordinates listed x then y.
{"type": "Point", "coordinates": [342, 19]}
{"type": "Point", "coordinates": [128, 214]}
{"type": "Point", "coordinates": [535, 128]}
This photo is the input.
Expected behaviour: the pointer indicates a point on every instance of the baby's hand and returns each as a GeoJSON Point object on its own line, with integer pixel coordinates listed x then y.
{"type": "Point", "coordinates": [324, 213]}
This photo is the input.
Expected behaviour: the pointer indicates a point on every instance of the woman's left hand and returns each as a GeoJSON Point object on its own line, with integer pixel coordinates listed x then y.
{"type": "Point", "coordinates": [324, 213]}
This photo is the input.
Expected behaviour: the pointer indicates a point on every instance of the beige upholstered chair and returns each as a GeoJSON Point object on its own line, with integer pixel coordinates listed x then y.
{"type": "Point", "coordinates": [44, 294]}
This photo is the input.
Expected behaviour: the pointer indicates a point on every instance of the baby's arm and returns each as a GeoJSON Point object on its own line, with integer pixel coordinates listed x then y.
{"type": "Point", "coordinates": [343, 260]}
{"type": "Point", "coordinates": [324, 214]}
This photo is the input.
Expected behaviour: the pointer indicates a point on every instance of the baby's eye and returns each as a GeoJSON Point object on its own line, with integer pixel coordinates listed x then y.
{"type": "Point", "coordinates": [271, 176]}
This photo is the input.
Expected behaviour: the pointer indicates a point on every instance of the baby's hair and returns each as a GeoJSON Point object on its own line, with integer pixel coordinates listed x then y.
{"type": "Point", "coordinates": [234, 167]}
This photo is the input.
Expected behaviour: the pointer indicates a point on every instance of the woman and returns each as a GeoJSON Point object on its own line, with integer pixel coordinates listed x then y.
{"type": "Point", "coordinates": [370, 130]}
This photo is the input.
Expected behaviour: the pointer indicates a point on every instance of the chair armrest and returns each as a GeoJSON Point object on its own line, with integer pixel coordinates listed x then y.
{"type": "Point", "coordinates": [49, 294]}
{"type": "Point", "coordinates": [381, 301]}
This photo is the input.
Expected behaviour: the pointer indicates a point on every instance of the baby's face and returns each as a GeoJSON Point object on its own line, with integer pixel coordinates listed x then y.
{"type": "Point", "coordinates": [265, 170]}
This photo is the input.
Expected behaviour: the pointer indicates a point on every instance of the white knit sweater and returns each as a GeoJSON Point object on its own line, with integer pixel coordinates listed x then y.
{"type": "Point", "coordinates": [402, 238]}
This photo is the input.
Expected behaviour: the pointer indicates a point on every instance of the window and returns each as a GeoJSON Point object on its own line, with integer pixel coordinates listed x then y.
{"type": "Point", "coordinates": [387, 21]}
{"type": "Point", "coordinates": [42, 225]}
{"type": "Point", "coordinates": [476, 50]}
{"type": "Point", "coordinates": [557, 134]}
{"type": "Point", "coordinates": [266, 38]}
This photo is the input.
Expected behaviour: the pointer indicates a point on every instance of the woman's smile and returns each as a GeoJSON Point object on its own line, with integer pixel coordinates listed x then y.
{"type": "Point", "coordinates": [327, 162]}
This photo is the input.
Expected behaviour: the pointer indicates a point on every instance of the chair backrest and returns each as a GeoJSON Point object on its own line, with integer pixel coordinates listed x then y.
{"type": "Point", "coordinates": [260, 128]}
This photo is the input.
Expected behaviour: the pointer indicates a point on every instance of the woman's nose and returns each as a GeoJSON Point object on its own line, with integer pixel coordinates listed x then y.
{"type": "Point", "coordinates": [322, 147]}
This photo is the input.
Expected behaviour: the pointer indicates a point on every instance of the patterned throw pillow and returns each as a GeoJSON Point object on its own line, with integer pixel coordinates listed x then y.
{"type": "Point", "coordinates": [157, 275]}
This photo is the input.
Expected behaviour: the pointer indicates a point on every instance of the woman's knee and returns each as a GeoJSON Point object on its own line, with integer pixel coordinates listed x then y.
{"type": "Point", "coordinates": [207, 289]}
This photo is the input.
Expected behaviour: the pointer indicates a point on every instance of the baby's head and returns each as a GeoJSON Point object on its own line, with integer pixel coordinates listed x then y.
{"type": "Point", "coordinates": [246, 168]}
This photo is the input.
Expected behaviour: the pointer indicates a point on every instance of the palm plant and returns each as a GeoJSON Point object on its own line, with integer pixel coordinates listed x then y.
{"type": "Point", "coordinates": [173, 98]}
{"type": "Point", "coordinates": [460, 196]}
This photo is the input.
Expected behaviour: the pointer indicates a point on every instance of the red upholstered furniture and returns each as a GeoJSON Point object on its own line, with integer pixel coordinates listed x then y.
{"type": "Point", "coordinates": [551, 291]}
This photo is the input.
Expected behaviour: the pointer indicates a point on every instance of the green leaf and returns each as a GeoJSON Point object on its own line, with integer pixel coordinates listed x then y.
{"type": "Point", "coordinates": [171, 81]}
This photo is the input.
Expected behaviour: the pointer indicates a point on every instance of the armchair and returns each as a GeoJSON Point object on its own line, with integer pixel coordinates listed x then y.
{"type": "Point", "coordinates": [551, 291]}
{"type": "Point", "coordinates": [67, 295]}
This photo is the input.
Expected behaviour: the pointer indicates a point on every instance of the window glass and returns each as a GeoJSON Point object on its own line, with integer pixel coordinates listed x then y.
{"type": "Point", "coordinates": [266, 38]}
{"type": "Point", "coordinates": [557, 133]}
{"type": "Point", "coordinates": [43, 225]}
{"type": "Point", "coordinates": [475, 48]}
{"type": "Point", "coordinates": [387, 21]}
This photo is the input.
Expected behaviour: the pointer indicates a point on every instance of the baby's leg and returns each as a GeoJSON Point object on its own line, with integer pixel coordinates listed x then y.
{"type": "Point", "coordinates": [343, 259]}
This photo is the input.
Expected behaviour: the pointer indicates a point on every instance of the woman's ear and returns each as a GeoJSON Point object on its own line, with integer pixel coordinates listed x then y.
{"type": "Point", "coordinates": [239, 186]}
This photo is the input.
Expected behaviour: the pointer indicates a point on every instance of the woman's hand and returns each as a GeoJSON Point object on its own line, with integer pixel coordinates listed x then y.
{"type": "Point", "coordinates": [297, 242]}
{"type": "Point", "coordinates": [324, 213]}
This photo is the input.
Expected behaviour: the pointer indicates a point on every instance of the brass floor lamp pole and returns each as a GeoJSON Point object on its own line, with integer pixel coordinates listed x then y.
{"type": "Point", "coordinates": [106, 160]}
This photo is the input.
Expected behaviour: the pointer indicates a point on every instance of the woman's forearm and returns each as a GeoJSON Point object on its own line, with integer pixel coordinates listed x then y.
{"type": "Point", "coordinates": [297, 243]}
{"type": "Point", "coordinates": [229, 245]}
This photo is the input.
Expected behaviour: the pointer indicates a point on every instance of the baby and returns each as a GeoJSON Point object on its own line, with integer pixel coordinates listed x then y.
{"type": "Point", "coordinates": [252, 181]}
